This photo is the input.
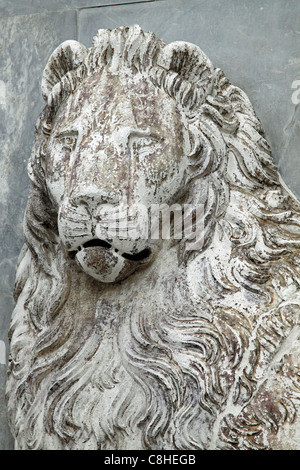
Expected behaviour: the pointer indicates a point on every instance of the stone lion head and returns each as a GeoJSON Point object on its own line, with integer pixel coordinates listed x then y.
{"type": "Point", "coordinates": [122, 343]}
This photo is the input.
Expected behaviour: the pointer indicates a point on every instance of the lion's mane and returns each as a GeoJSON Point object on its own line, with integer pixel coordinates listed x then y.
{"type": "Point", "coordinates": [196, 379]}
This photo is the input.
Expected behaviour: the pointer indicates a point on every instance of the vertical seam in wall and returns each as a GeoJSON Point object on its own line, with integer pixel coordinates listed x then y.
{"type": "Point", "coordinates": [79, 9]}
{"type": "Point", "coordinates": [77, 21]}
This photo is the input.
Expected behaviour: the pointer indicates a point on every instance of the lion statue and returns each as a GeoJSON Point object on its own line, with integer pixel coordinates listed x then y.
{"type": "Point", "coordinates": [144, 343]}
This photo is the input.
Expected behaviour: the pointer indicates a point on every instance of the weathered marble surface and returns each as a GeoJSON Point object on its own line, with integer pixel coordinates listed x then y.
{"type": "Point", "coordinates": [260, 38]}
{"type": "Point", "coordinates": [153, 342]}
{"type": "Point", "coordinates": [257, 44]}
{"type": "Point", "coordinates": [25, 45]}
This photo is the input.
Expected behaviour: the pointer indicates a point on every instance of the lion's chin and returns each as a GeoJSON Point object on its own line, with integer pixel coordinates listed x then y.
{"type": "Point", "coordinates": [108, 265]}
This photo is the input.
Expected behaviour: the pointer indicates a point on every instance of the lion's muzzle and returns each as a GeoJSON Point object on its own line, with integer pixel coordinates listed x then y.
{"type": "Point", "coordinates": [105, 259]}
{"type": "Point", "coordinates": [105, 263]}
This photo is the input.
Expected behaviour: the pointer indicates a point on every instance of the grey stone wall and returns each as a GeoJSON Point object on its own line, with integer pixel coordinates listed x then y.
{"type": "Point", "coordinates": [255, 42]}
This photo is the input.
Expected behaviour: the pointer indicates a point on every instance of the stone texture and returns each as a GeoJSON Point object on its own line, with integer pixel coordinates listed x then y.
{"type": "Point", "coordinates": [153, 342]}
{"type": "Point", "coordinates": [25, 45]}
{"type": "Point", "coordinates": [255, 43]}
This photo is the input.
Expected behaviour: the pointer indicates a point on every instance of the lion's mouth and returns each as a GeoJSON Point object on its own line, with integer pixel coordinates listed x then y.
{"type": "Point", "coordinates": [143, 255]}
{"type": "Point", "coordinates": [106, 263]}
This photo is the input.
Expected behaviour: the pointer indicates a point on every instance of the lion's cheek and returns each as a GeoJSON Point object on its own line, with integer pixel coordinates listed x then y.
{"type": "Point", "coordinates": [104, 265]}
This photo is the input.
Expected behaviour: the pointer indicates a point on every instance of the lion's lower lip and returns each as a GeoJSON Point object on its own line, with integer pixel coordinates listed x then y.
{"type": "Point", "coordinates": [140, 256]}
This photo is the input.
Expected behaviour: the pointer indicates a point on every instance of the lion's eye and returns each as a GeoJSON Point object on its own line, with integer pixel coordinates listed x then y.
{"type": "Point", "coordinates": [146, 146]}
{"type": "Point", "coordinates": [68, 141]}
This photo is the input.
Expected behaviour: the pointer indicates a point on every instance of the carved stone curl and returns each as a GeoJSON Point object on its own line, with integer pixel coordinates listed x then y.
{"type": "Point", "coordinates": [144, 344]}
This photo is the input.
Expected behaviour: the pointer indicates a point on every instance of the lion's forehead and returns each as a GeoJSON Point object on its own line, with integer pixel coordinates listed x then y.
{"type": "Point", "coordinates": [127, 136]}
{"type": "Point", "coordinates": [104, 102]}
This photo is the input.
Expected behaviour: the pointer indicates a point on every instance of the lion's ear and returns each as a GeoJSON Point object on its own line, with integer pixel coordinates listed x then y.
{"type": "Point", "coordinates": [66, 57]}
{"type": "Point", "coordinates": [188, 61]}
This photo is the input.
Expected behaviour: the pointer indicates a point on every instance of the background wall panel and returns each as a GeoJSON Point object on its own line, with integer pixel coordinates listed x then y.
{"type": "Point", "coordinates": [27, 7]}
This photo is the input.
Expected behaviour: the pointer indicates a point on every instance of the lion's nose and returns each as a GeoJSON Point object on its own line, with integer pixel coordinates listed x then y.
{"type": "Point", "coordinates": [92, 198]}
